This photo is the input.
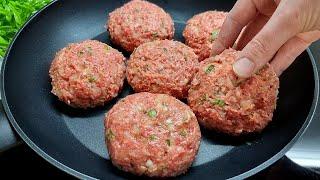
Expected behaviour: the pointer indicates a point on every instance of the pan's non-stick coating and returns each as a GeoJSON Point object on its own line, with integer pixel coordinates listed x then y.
{"type": "Point", "coordinates": [73, 140]}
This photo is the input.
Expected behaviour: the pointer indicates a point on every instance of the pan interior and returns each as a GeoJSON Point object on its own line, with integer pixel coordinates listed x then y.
{"type": "Point", "coordinates": [75, 138]}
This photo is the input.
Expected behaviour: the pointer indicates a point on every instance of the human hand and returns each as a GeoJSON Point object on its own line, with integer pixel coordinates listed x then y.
{"type": "Point", "coordinates": [277, 31]}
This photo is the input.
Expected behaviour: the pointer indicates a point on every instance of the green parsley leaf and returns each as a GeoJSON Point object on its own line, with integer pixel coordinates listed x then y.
{"type": "Point", "coordinates": [152, 113]}
{"type": "Point", "coordinates": [107, 48]}
{"type": "Point", "coordinates": [165, 49]}
{"type": "Point", "coordinates": [218, 102]}
{"type": "Point", "coordinates": [153, 137]}
{"type": "Point", "coordinates": [168, 141]}
{"type": "Point", "coordinates": [92, 79]}
{"type": "Point", "coordinates": [89, 50]}
{"type": "Point", "coordinates": [110, 135]}
{"type": "Point", "coordinates": [154, 35]}
{"type": "Point", "coordinates": [214, 34]}
{"type": "Point", "coordinates": [183, 133]}
{"type": "Point", "coordinates": [80, 53]}
{"type": "Point", "coordinates": [209, 69]}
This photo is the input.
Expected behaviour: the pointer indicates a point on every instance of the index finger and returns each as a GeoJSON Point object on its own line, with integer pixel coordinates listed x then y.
{"type": "Point", "coordinates": [240, 15]}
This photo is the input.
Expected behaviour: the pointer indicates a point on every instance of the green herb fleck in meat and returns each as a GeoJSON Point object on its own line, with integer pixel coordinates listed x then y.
{"type": "Point", "coordinates": [203, 98]}
{"type": "Point", "coordinates": [107, 48]}
{"type": "Point", "coordinates": [209, 69]}
{"type": "Point", "coordinates": [92, 79]}
{"type": "Point", "coordinates": [110, 134]}
{"type": "Point", "coordinates": [165, 49]}
{"type": "Point", "coordinates": [80, 53]}
{"type": "Point", "coordinates": [168, 141]}
{"type": "Point", "coordinates": [89, 50]}
{"type": "Point", "coordinates": [214, 34]}
{"type": "Point", "coordinates": [146, 67]}
{"type": "Point", "coordinates": [152, 113]}
{"type": "Point", "coordinates": [218, 102]}
{"type": "Point", "coordinates": [152, 137]}
{"type": "Point", "coordinates": [154, 35]}
{"type": "Point", "coordinates": [185, 57]}
{"type": "Point", "coordinates": [183, 133]}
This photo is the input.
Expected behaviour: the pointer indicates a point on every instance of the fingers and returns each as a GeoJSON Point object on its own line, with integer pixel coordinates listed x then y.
{"type": "Point", "coordinates": [233, 25]}
{"type": "Point", "coordinates": [227, 35]}
{"type": "Point", "coordinates": [292, 49]}
{"type": "Point", "coordinates": [279, 29]}
{"type": "Point", "coordinates": [251, 30]}
{"type": "Point", "coordinates": [240, 15]}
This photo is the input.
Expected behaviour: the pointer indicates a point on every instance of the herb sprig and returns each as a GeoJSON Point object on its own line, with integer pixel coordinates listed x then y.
{"type": "Point", "coordinates": [13, 14]}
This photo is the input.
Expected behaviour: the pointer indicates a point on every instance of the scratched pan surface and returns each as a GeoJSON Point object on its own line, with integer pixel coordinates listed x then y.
{"type": "Point", "coordinates": [73, 140]}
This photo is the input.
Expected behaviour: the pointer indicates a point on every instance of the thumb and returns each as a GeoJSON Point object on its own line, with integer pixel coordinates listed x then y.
{"type": "Point", "coordinates": [260, 50]}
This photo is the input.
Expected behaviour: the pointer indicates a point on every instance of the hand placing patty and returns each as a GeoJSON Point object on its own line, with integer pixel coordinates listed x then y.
{"type": "Point", "coordinates": [276, 32]}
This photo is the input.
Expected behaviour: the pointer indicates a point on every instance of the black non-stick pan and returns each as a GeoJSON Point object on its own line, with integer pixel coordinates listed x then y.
{"type": "Point", "coordinates": [73, 140]}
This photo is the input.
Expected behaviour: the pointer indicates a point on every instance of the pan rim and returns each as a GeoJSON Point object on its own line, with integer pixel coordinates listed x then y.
{"type": "Point", "coordinates": [80, 175]}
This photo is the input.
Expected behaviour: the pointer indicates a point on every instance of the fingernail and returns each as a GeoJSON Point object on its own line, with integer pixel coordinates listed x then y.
{"type": "Point", "coordinates": [243, 67]}
{"type": "Point", "coordinates": [217, 48]}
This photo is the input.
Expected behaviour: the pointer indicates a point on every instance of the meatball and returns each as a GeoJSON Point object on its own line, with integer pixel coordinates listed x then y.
{"type": "Point", "coordinates": [138, 22]}
{"type": "Point", "coordinates": [201, 31]}
{"type": "Point", "coordinates": [227, 104]}
{"type": "Point", "coordinates": [163, 66]}
{"type": "Point", "coordinates": [152, 134]}
{"type": "Point", "coordinates": [87, 74]}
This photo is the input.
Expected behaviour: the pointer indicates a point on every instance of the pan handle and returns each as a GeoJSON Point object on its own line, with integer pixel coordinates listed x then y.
{"type": "Point", "coordinates": [8, 137]}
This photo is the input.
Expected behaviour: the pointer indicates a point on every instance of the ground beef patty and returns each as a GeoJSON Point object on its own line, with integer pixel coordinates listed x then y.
{"type": "Point", "coordinates": [138, 22]}
{"type": "Point", "coordinates": [223, 102]}
{"type": "Point", "coordinates": [87, 74]}
{"type": "Point", "coordinates": [163, 66]}
{"type": "Point", "coordinates": [201, 31]}
{"type": "Point", "coordinates": [152, 134]}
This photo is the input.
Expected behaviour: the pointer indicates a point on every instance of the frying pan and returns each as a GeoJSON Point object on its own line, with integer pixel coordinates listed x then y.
{"type": "Point", "coordinates": [73, 140]}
